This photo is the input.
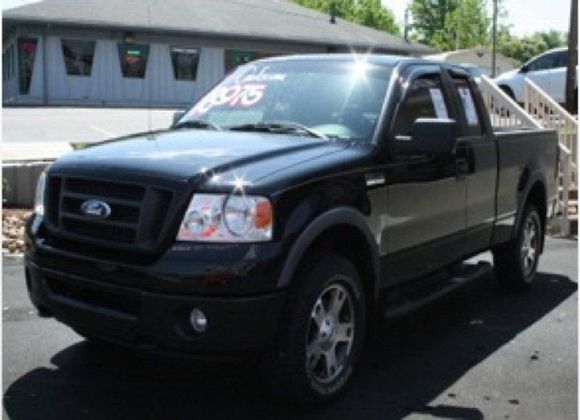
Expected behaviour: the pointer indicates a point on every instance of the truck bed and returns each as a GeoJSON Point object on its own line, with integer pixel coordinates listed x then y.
{"type": "Point", "coordinates": [536, 149]}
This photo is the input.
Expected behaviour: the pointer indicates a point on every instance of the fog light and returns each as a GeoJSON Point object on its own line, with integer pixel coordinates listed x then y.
{"type": "Point", "coordinates": [198, 320]}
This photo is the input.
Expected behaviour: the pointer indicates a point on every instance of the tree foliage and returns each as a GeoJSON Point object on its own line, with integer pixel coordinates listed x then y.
{"type": "Point", "coordinates": [524, 48]}
{"type": "Point", "coordinates": [365, 12]}
{"type": "Point", "coordinates": [450, 24]}
{"type": "Point", "coordinates": [445, 24]}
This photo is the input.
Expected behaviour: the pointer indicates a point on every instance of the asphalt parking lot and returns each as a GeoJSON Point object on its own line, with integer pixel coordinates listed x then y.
{"type": "Point", "coordinates": [42, 133]}
{"type": "Point", "coordinates": [477, 353]}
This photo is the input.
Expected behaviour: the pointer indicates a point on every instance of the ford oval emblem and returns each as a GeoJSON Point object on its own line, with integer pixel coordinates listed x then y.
{"type": "Point", "coordinates": [95, 209]}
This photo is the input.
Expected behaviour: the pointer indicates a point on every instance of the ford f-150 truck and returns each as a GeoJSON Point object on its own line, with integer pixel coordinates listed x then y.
{"type": "Point", "coordinates": [298, 201]}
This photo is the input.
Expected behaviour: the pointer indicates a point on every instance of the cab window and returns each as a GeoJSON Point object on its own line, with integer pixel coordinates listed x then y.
{"type": "Point", "coordinates": [466, 100]}
{"type": "Point", "coordinates": [424, 99]}
{"type": "Point", "coordinates": [561, 59]}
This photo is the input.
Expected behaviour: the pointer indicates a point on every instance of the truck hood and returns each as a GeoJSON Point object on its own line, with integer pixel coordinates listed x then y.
{"type": "Point", "coordinates": [185, 154]}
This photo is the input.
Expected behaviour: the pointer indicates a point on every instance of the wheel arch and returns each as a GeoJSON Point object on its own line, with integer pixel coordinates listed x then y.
{"type": "Point", "coordinates": [535, 193]}
{"type": "Point", "coordinates": [344, 224]}
{"type": "Point", "coordinates": [508, 90]}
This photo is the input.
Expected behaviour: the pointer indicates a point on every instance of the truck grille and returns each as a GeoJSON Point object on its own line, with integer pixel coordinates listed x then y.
{"type": "Point", "coordinates": [136, 221]}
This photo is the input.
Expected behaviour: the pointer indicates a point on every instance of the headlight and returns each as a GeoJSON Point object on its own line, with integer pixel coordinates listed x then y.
{"type": "Point", "coordinates": [39, 195]}
{"type": "Point", "coordinates": [223, 218]}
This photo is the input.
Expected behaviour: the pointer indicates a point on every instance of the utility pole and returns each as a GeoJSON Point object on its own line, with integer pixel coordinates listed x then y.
{"type": "Point", "coordinates": [459, 21]}
{"type": "Point", "coordinates": [332, 12]}
{"type": "Point", "coordinates": [493, 38]}
{"type": "Point", "coordinates": [406, 29]}
{"type": "Point", "coordinates": [571, 99]}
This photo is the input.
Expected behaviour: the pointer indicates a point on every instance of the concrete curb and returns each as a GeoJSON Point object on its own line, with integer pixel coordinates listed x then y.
{"type": "Point", "coordinates": [12, 258]}
{"type": "Point", "coordinates": [21, 178]}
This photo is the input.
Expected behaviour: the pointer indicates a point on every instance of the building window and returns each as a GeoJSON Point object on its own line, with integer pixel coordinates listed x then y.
{"type": "Point", "coordinates": [10, 65]}
{"type": "Point", "coordinates": [26, 54]}
{"type": "Point", "coordinates": [78, 56]}
{"type": "Point", "coordinates": [133, 59]}
{"type": "Point", "coordinates": [235, 58]}
{"type": "Point", "coordinates": [185, 61]}
{"type": "Point", "coordinates": [4, 67]}
{"type": "Point", "coordinates": [7, 57]}
{"type": "Point", "coordinates": [14, 58]}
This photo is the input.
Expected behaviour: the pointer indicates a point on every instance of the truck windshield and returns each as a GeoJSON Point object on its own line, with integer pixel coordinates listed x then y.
{"type": "Point", "coordinates": [337, 99]}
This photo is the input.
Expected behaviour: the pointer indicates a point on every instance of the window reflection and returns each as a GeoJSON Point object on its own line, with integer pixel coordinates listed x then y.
{"type": "Point", "coordinates": [133, 59]}
{"type": "Point", "coordinates": [26, 54]}
{"type": "Point", "coordinates": [78, 56]}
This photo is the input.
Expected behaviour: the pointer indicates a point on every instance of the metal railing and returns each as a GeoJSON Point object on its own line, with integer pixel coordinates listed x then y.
{"type": "Point", "coordinates": [564, 185]}
{"type": "Point", "coordinates": [504, 112]}
{"type": "Point", "coordinates": [539, 111]}
{"type": "Point", "coordinates": [551, 115]}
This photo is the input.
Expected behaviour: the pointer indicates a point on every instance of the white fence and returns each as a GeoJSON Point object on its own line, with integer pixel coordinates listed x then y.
{"type": "Point", "coordinates": [540, 111]}
{"type": "Point", "coordinates": [503, 111]}
{"type": "Point", "coordinates": [550, 114]}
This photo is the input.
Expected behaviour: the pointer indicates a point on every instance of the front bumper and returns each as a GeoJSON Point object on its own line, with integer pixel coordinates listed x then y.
{"type": "Point", "coordinates": [154, 321]}
{"type": "Point", "coordinates": [147, 306]}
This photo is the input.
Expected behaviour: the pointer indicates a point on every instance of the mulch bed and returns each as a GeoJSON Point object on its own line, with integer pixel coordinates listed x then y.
{"type": "Point", "coordinates": [13, 221]}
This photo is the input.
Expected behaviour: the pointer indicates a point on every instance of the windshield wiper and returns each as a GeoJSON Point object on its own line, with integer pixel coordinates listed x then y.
{"type": "Point", "coordinates": [196, 124]}
{"type": "Point", "coordinates": [281, 127]}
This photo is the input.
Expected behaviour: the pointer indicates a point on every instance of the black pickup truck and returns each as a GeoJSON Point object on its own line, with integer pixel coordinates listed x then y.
{"type": "Point", "coordinates": [294, 204]}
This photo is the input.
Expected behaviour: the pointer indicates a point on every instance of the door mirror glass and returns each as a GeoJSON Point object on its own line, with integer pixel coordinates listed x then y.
{"type": "Point", "coordinates": [429, 136]}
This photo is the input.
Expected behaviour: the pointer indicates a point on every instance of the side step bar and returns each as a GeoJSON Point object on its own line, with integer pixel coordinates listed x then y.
{"type": "Point", "coordinates": [430, 289]}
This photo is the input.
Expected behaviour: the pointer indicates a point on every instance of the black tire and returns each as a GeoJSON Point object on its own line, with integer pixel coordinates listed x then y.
{"type": "Point", "coordinates": [284, 369]}
{"type": "Point", "coordinates": [514, 268]}
{"type": "Point", "coordinates": [95, 341]}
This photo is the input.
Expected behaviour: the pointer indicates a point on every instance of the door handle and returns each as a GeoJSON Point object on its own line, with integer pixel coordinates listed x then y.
{"type": "Point", "coordinates": [461, 168]}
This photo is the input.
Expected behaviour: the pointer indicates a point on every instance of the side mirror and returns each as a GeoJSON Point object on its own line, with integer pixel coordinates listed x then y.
{"type": "Point", "coordinates": [177, 115]}
{"type": "Point", "coordinates": [524, 69]}
{"type": "Point", "coordinates": [429, 136]}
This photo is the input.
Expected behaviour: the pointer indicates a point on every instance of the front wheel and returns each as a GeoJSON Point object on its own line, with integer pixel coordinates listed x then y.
{"type": "Point", "coordinates": [516, 262]}
{"type": "Point", "coordinates": [322, 334]}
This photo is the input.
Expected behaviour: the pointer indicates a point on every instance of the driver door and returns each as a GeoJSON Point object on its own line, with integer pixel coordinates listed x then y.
{"type": "Point", "coordinates": [426, 196]}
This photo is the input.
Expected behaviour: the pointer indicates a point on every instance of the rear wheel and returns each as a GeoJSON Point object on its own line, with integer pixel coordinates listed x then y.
{"type": "Point", "coordinates": [322, 334]}
{"type": "Point", "coordinates": [516, 262]}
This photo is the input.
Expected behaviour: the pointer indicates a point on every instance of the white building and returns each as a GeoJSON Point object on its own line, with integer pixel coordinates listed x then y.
{"type": "Point", "coordinates": [159, 53]}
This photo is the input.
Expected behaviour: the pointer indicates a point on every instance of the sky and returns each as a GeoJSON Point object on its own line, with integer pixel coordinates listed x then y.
{"type": "Point", "coordinates": [9, 4]}
{"type": "Point", "coordinates": [526, 16]}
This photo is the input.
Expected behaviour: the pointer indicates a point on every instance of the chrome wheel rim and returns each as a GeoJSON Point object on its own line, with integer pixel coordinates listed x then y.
{"type": "Point", "coordinates": [330, 333]}
{"type": "Point", "coordinates": [529, 250]}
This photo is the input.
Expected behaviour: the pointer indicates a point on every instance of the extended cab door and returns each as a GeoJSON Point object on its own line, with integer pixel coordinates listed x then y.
{"type": "Point", "coordinates": [479, 145]}
{"type": "Point", "coordinates": [426, 196]}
